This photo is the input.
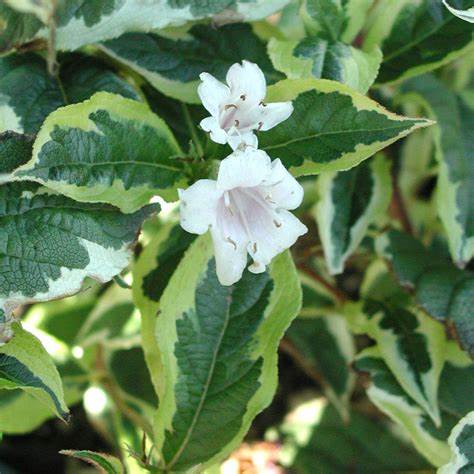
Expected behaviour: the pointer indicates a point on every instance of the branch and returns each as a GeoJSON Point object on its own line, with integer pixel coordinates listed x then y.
{"type": "Point", "coordinates": [336, 292]}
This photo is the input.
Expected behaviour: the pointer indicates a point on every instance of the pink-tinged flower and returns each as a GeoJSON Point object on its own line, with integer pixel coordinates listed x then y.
{"type": "Point", "coordinates": [238, 108]}
{"type": "Point", "coordinates": [246, 210]}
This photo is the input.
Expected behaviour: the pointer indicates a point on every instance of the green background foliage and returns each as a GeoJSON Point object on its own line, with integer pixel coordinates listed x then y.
{"type": "Point", "coordinates": [352, 352]}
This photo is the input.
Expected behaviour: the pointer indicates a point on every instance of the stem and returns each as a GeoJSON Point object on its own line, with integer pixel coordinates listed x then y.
{"type": "Point", "coordinates": [289, 348]}
{"type": "Point", "coordinates": [336, 292]}
{"type": "Point", "coordinates": [52, 63]}
{"type": "Point", "coordinates": [115, 394]}
{"type": "Point", "coordinates": [192, 130]}
{"type": "Point", "coordinates": [398, 207]}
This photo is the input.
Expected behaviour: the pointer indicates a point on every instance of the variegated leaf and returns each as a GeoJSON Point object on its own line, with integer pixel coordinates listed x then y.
{"type": "Point", "coordinates": [324, 59]}
{"type": "Point", "coordinates": [49, 243]}
{"type": "Point", "coordinates": [332, 128]}
{"type": "Point", "coordinates": [440, 289]}
{"type": "Point", "coordinates": [419, 37]}
{"type": "Point", "coordinates": [461, 442]}
{"type": "Point", "coordinates": [28, 93]}
{"type": "Point", "coordinates": [105, 463]}
{"type": "Point", "coordinates": [350, 201]}
{"type": "Point", "coordinates": [453, 140]}
{"type": "Point", "coordinates": [79, 23]}
{"type": "Point", "coordinates": [218, 353]}
{"type": "Point", "coordinates": [387, 394]}
{"type": "Point", "coordinates": [25, 365]}
{"type": "Point", "coordinates": [173, 65]}
{"type": "Point", "coordinates": [106, 149]}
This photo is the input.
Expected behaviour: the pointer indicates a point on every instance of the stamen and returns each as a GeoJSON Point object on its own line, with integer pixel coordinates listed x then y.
{"type": "Point", "coordinates": [277, 224]}
{"type": "Point", "coordinates": [262, 103]}
{"type": "Point", "coordinates": [269, 199]}
{"type": "Point", "coordinates": [229, 106]}
{"type": "Point", "coordinates": [260, 125]}
{"type": "Point", "coordinates": [231, 242]}
{"type": "Point", "coordinates": [236, 122]}
{"type": "Point", "coordinates": [254, 247]}
{"type": "Point", "coordinates": [243, 97]}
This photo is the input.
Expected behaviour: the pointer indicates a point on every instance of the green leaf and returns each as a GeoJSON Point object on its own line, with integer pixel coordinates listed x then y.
{"type": "Point", "coordinates": [356, 16]}
{"type": "Point", "coordinates": [317, 440]}
{"type": "Point", "coordinates": [461, 442]}
{"type": "Point", "coordinates": [49, 243]}
{"type": "Point", "coordinates": [131, 374]}
{"type": "Point", "coordinates": [173, 65]}
{"type": "Point", "coordinates": [440, 289]}
{"type": "Point", "coordinates": [323, 59]}
{"type": "Point", "coordinates": [386, 394]}
{"type": "Point", "coordinates": [29, 94]}
{"type": "Point", "coordinates": [82, 76]}
{"type": "Point", "coordinates": [15, 150]}
{"type": "Point", "coordinates": [79, 23]}
{"type": "Point", "coordinates": [324, 18]}
{"type": "Point", "coordinates": [423, 36]}
{"type": "Point", "coordinates": [327, 345]}
{"type": "Point", "coordinates": [62, 319]}
{"type": "Point", "coordinates": [413, 346]}
{"type": "Point", "coordinates": [43, 9]}
{"type": "Point", "coordinates": [104, 463]}
{"type": "Point", "coordinates": [106, 149]}
{"type": "Point", "coordinates": [25, 364]}
{"type": "Point", "coordinates": [151, 274]}
{"type": "Point", "coordinates": [456, 380]}
{"type": "Point", "coordinates": [335, 19]}
{"type": "Point", "coordinates": [113, 322]}
{"type": "Point", "coordinates": [467, 15]}
{"type": "Point", "coordinates": [317, 300]}
{"type": "Point", "coordinates": [218, 348]}
{"type": "Point", "coordinates": [350, 202]}
{"type": "Point", "coordinates": [454, 151]}
{"type": "Point", "coordinates": [16, 28]}
{"type": "Point", "coordinates": [34, 412]}
{"type": "Point", "coordinates": [332, 128]}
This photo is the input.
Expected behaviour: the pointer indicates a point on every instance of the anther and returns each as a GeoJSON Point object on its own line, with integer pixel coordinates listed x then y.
{"type": "Point", "coordinates": [260, 125]}
{"type": "Point", "coordinates": [229, 106]}
{"type": "Point", "coordinates": [262, 103]}
{"type": "Point", "coordinates": [254, 247]}
{"type": "Point", "coordinates": [232, 242]}
{"type": "Point", "coordinates": [277, 224]}
{"type": "Point", "coordinates": [236, 122]}
{"type": "Point", "coordinates": [243, 97]}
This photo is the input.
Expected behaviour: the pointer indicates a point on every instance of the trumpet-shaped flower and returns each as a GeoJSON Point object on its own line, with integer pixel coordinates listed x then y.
{"type": "Point", "coordinates": [246, 210]}
{"type": "Point", "coordinates": [238, 108]}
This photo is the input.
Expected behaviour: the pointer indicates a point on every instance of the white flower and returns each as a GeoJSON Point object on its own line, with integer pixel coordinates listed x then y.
{"type": "Point", "coordinates": [246, 210]}
{"type": "Point", "coordinates": [237, 109]}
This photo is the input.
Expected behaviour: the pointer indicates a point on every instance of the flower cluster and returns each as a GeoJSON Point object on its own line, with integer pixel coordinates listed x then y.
{"type": "Point", "coordinates": [247, 208]}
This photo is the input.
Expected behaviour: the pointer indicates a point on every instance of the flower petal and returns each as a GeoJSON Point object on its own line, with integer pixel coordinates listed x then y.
{"type": "Point", "coordinates": [247, 80]}
{"type": "Point", "coordinates": [198, 206]}
{"type": "Point", "coordinates": [212, 93]}
{"type": "Point", "coordinates": [211, 124]}
{"type": "Point", "coordinates": [236, 139]}
{"type": "Point", "coordinates": [272, 236]}
{"type": "Point", "coordinates": [231, 258]}
{"type": "Point", "coordinates": [244, 168]}
{"type": "Point", "coordinates": [273, 114]}
{"type": "Point", "coordinates": [282, 188]}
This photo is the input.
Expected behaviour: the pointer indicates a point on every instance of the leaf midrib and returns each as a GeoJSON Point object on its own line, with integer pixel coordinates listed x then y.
{"type": "Point", "coordinates": [91, 165]}
{"type": "Point", "coordinates": [416, 41]}
{"type": "Point", "coordinates": [337, 132]}
{"type": "Point", "coordinates": [202, 400]}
